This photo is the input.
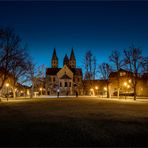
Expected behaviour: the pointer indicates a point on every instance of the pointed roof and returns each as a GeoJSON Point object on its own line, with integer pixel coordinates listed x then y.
{"type": "Point", "coordinates": [66, 57]}
{"type": "Point", "coordinates": [54, 55]}
{"type": "Point", "coordinates": [65, 76]}
{"type": "Point", "coordinates": [72, 55]}
{"type": "Point", "coordinates": [76, 71]}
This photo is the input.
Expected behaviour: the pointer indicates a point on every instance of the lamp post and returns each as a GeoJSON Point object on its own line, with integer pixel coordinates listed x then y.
{"type": "Point", "coordinates": [105, 89]}
{"type": "Point", "coordinates": [125, 84]}
{"type": "Point", "coordinates": [92, 91]}
{"type": "Point", "coordinates": [7, 85]}
{"type": "Point", "coordinates": [96, 90]}
{"type": "Point", "coordinates": [41, 90]}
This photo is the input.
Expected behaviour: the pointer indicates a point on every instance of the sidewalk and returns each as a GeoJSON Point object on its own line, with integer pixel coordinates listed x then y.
{"type": "Point", "coordinates": [128, 99]}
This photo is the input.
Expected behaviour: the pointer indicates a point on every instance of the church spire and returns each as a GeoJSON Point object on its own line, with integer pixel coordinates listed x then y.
{"type": "Point", "coordinates": [66, 60]}
{"type": "Point", "coordinates": [72, 55]}
{"type": "Point", "coordinates": [54, 61]}
{"type": "Point", "coordinates": [72, 61]}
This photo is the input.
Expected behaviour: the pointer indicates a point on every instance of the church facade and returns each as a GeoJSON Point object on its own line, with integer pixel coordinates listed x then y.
{"type": "Point", "coordinates": [67, 80]}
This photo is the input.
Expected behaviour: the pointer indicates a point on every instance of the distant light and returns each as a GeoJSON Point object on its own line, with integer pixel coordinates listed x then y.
{"type": "Point", "coordinates": [40, 89]}
{"type": "Point", "coordinates": [130, 81]}
{"type": "Point", "coordinates": [128, 86]}
{"type": "Point", "coordinates": [91, 89]}
{"type": "Point", "coordinates": [105, 88]}
{"type": "Point", "coordinates": [28, 93]}
{"type": "Point", "coordinates": [7, 84]}
{"type": "Point", "coordinates": [125, 84]}
{"type": "Point", "coordinates": [96, 87]}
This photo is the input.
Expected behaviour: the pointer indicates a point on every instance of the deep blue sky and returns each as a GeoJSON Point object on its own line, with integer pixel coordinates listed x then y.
{"type": "Point", "coordinates": [99, 26]}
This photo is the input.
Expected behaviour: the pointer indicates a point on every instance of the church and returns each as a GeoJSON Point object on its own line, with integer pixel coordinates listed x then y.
{"type": "Point", "coordinates": [66, 80]}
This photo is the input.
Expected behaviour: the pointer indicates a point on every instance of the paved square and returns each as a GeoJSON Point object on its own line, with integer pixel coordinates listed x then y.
{"type": "Point", "coordinates": [82, 121]}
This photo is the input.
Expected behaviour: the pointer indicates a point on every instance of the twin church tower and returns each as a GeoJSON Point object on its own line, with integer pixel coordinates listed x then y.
{"type": "Point", "coordinates": [67, 79]}
{"type": "Point", "coordinates": [70, 62]}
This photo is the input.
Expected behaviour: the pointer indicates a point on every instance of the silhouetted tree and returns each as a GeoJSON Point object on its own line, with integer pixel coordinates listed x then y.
{"type": "Point", "coordinates": [118, 63]}
{"type": "Point", "coordinates": [34, 76]}
{"type": "Point", "coordinates": [13, 57]}
{"type": "Point", "coordinates": [145, 65]}
{"type": "Point", "coordinates": [89, 62]}
{"type": "Point", "coordinates": [90, 66]}
{"type": "Point", "coordinates": [135, 60]}
{"type": "Point", "coordinates": [30, 77]}
{"type": "Point", "coordinates": [105, 70]}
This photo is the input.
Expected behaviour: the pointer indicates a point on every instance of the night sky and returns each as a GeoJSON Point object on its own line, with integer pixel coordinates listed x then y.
{"type": "Point", "coordinates": [98, 26]}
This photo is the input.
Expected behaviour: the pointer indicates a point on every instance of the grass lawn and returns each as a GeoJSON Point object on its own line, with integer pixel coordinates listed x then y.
{"type": "Point", "coordinates": [73, 122]}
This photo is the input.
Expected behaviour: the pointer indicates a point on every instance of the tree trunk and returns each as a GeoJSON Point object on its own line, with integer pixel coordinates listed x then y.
{"type": "Point", "coordinates": [14, 94]}
{"type": "Point", "coordinates": [135, 92]}
{"type": "Point", "coordinates": [108, 91]}
{"type": "Point", "coordinates": [32, 91]}
{"type": "Point", "coordinates": [0, 94]}
{"type": "Point", "coordinates": [118, 86]}
{"type": "Point", "coordinates": [118, 93]}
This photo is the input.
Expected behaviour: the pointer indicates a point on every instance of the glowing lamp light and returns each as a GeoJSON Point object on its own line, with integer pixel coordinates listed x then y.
{"type": "Point", "coordinates": [125, 84]}
{"type": "Point", "coordinates": [128, 86]}
{"type": "Point", "coordinates": [40, 89]}
{"type": "Point", "coordinates": [7, 84]}
{"type": "Point", "coordinates": [91, 89]}
{"type": "Point", "coordinates": [28, 93]}
{"type": "Point", "coordinates": [105, 88]}
{"type": "Point", "coordinates": [96, 87]}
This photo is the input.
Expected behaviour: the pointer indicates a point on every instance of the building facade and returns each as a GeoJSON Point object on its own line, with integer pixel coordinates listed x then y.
{"type": "Point", "coordinates": [67, 80]}
{"type": "Point", "coordinates": [125, 83]}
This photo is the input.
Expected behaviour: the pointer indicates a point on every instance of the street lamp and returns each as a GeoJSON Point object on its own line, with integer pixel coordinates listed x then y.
{"type": "Point", "coordinates": [129, 80]}
{"type": "Point", "coordinates": [125, 83]}
{"type": "Point", "coordinates": [92, 91]}
{"type": "Point", "coordinates": [96, 89]}
{"type": "Point", "coordinates": [7, 85]}
{"type": "Point", "coordinates": [105, 89]}
{"type": "Point", "coordinates": [126, 86]}
{"type": "Point", "coordinates": [41, 90]}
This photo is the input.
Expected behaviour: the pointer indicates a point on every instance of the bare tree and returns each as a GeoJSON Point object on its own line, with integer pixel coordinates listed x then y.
{"type": "Point", "coordinates": [105, 70]}
{"type": "Point", "coordinates": [118, 63]}
{"type": "Point", "coordinates": [13, 58]}
{"type": "Point", "coordinates": [133, 56]}
{"type": "Point", "coordinates": [19, 68]}
{"type": "Point", "coordinates": [90, 66]}
{"type": "Point", "coordinates": [30, 77]}
{"type": "Point", "coordinates": [34, 76]}
{"type": "Point", "coordinates": [145, 65]}
{"type": "Point", "coordinates": [94, 67]}
{"type": "Point", "coordinates": [9, 41]}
